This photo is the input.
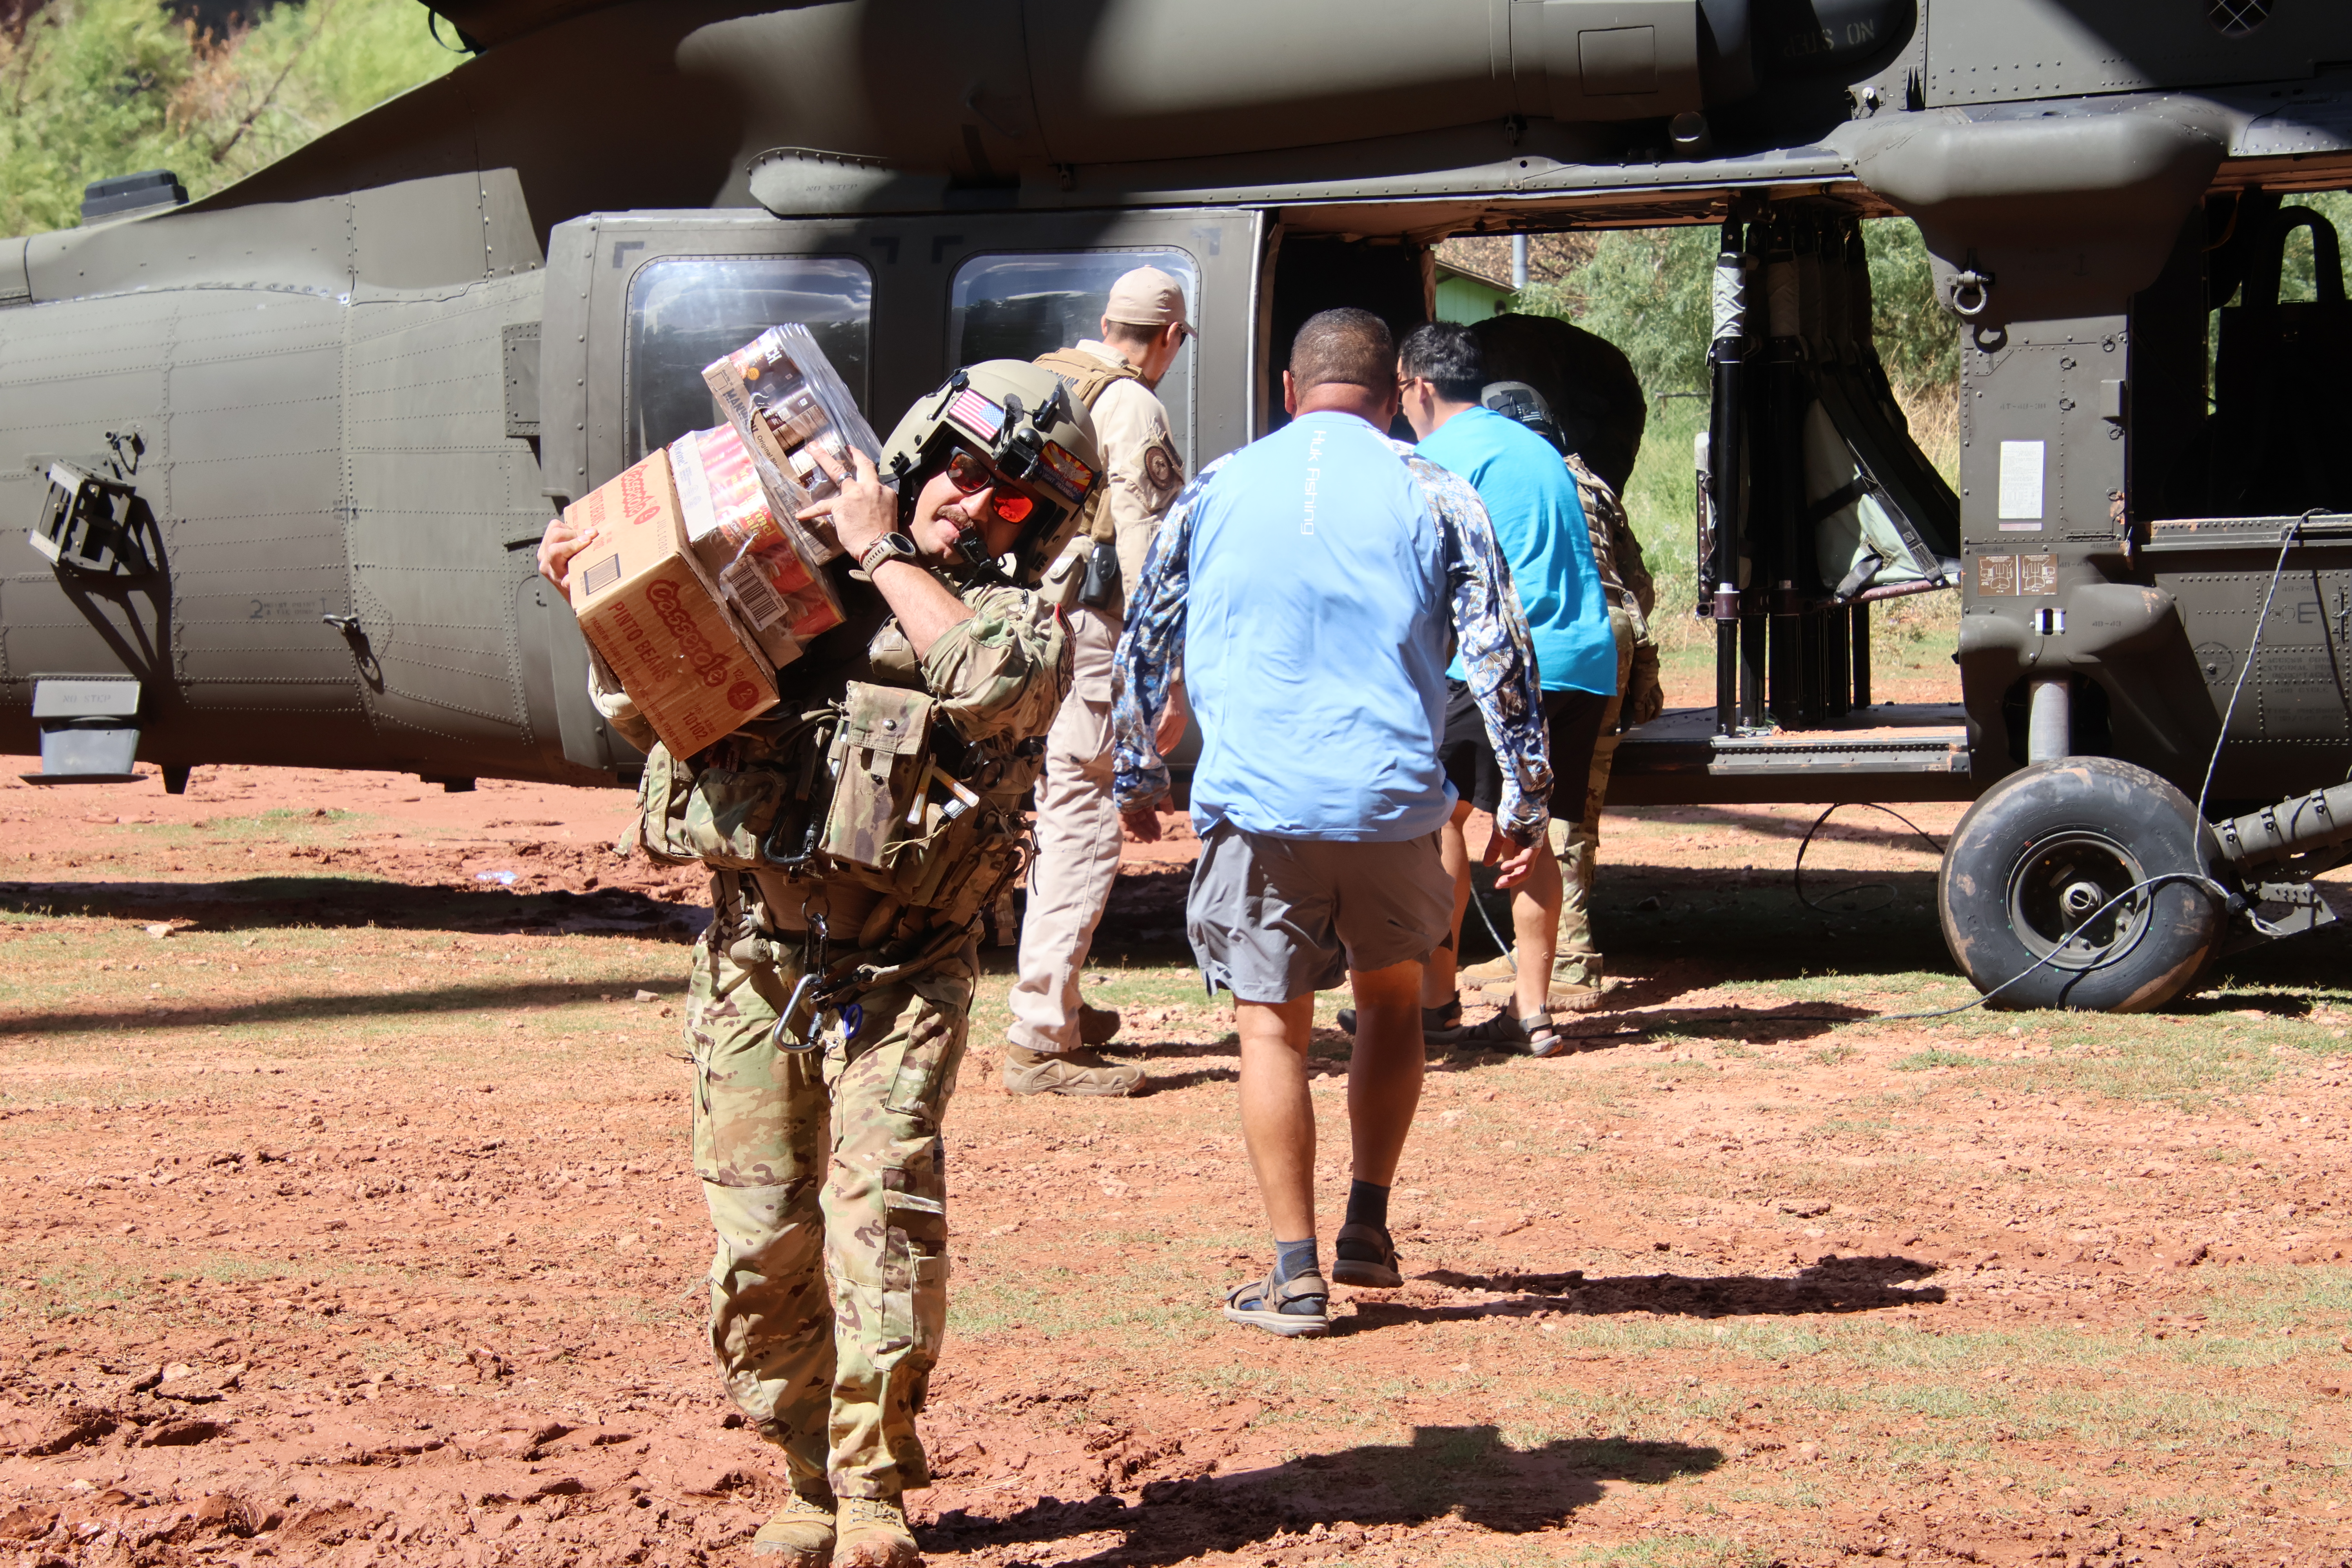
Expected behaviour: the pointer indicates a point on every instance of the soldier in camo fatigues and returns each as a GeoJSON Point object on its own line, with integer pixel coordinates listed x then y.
{"type": "Point", "coordinates": [827, 1012]}
{"type": "Point", "coordinates": [1625, 580]}
{"type": "Point", "coordinates": [1625, 577]}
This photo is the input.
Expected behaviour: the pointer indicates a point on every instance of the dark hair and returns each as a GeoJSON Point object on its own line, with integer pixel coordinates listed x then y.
{"type": "Point", "coordinates": [1346, 345]}
{"type": "Point", "coordinates": [1445, 354]}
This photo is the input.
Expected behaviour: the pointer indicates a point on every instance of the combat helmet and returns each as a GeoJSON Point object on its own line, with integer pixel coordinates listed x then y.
{"type": "Point", "coordinates": [1517, 400]}
{"type": "Point", "coordinates": [1021, 424]}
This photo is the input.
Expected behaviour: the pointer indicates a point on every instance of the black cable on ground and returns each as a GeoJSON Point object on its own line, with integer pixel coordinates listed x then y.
{"type": "Point", "coordinates": [1686, 1025]}
{"type": "Point", "coordinates": [1892, 894]}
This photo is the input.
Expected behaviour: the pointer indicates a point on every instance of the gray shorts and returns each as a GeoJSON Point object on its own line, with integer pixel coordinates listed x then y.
{"type": "Point", "coordinates": [1274, 919]}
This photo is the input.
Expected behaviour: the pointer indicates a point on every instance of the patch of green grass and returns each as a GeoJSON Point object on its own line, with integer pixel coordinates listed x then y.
{"type": "Point", "coordinates": [1844, 1127]}
{"type": "Point", "coordinates": [1662, 1549]}
{"type": "Point", "coordinates": [282, 824]}
{"type": "Point", "coordinates": [1937, 1057]}
{"type": "Point", "coordinates": [2258, 1296]}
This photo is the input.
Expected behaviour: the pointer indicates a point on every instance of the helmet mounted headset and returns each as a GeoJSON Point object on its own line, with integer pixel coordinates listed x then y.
{"type": "Point", "coordinates": [1009, 427]}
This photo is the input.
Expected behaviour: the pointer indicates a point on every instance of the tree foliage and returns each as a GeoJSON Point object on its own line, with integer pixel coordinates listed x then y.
{"type": "Point", "coordinates": [93, 89]}
{"type": "Point", "coordinates": [1647, 290]}
{"type": "Point", "coordinates": [2299, 274]}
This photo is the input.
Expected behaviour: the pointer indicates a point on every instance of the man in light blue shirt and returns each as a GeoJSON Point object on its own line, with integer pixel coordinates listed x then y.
{"type": "Point", "coordinates": [1539, 522]}
{"type": "Point", "coordinates": [1309, 587]}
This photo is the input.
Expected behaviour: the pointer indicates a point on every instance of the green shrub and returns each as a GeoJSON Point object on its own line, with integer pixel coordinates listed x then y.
{"type": "Point", "coordinates": [1649, 292]}
{"type": "Point", "coordinates": [93, 89]}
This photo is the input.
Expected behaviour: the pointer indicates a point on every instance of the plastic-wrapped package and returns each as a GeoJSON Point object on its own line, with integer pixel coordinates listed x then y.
{"type": "Point", "coordinates": [763, 566]}
{"type": "Point", "coordinates": [788, 404]}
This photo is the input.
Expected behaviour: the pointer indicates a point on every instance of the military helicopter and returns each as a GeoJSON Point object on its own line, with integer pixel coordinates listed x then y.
{"type": "Point", "coordinates": [282, 455]}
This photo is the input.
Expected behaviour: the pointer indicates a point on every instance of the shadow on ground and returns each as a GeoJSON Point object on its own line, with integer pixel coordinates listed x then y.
{"type": "Point", "coordinates": [338, 1008]}
{"type": "Point", "coordinates": [272, 903]}
{"type": "Point", "coordinates": [1467, 1471]}
{"type": "Point", "coordinates": [1832, 1285]}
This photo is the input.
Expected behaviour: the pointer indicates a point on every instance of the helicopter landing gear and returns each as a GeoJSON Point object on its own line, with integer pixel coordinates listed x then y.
{"type": "Point", "coordinates": [2048, 865]}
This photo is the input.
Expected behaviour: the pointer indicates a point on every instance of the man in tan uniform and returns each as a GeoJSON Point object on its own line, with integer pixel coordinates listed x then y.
{"type": "Point", "coordinates": [1143, 330]}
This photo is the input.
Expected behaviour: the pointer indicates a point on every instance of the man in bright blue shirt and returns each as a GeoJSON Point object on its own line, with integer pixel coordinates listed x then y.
{"type": "Point", "coordinates": [1539, 524]}
{"type": "Point", "coordinates": [1309, 587]}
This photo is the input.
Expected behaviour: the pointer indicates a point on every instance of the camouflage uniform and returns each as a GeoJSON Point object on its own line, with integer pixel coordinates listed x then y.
{"type": "Point", "coordinates": [824, 1169]}
{"type": "Point", "coordinates": [1625, 577]}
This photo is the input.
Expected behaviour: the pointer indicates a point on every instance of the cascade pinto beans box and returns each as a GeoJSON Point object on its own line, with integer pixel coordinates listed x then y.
{"type": "Point", "coordinates": [653, 612]}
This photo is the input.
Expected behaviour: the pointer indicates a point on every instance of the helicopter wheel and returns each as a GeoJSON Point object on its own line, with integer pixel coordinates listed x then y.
{"type": "Point", "coordinates": [2034, 867]}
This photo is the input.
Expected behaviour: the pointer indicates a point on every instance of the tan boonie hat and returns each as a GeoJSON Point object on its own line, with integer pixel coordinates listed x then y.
{"type": "Point", "coordinates": [1146, 297]}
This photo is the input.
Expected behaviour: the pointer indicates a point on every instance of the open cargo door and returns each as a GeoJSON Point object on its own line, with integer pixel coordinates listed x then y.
{"type": "Point", "coordinates": [1826, 502]}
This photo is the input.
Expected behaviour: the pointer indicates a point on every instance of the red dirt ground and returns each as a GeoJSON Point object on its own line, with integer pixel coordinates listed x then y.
{"type": "Point", "coordinates": [350, 1222]}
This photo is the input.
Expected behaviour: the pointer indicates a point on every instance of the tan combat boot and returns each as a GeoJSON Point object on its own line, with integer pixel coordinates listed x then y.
{"type": "Point", "coordinates": [874, 1535]}
{"type": "Point", "coordinates": [1576, 984]}
{"type": "Point", "coordinates": [1097, 1026]}
{"type": "Point", "coordinates": [800, 1533]}
{"type": "Point", "coordinates": [1479, 975]}
{"type": "Point", "coordinates": [1575, 981]}
{"type": "Point", "coordinates": [1074, 1072]}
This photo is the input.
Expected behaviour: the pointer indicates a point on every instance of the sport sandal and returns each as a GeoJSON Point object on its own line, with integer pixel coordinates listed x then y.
{"type": "Point", "coordinates": [1299, 1307]}
{"type": "Point", "coordinates": [1531, 1036]}
{"type": "Point", "coordinates": [1365, 1255]}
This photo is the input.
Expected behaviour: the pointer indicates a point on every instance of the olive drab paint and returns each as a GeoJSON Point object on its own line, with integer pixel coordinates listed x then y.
{"type": "Point", "coordinates": [337, 401]}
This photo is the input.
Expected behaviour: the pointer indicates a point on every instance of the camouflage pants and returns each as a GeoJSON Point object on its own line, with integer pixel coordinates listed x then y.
{"type": "Point", "coordinates": [1578, 843]}
{"type": "Point", "coordinates": [823, 1171]}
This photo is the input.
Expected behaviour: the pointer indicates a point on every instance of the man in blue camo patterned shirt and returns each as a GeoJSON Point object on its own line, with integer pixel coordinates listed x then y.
{"type": "Point", "coordinates": [1311, 588]}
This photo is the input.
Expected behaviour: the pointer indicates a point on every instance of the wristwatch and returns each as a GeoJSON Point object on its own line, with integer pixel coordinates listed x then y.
{"type": "Point", "coordinates": [889, 547]}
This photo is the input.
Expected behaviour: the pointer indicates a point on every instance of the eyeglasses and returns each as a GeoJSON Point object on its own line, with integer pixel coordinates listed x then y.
{"type": "Point", "coordinates": [970, 475]}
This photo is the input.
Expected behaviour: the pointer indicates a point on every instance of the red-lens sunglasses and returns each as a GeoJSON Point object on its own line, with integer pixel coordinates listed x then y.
{"type": "Point", "coordinates": [970, 475]}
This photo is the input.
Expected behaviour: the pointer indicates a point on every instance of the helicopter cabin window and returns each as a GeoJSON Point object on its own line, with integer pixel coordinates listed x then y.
{"type": "Point", "coordinates": [1020, 306]}
{"type": "Point", "coordinates": [686, 310]}
{"type": "Point", "coordinates": [2277, 326]}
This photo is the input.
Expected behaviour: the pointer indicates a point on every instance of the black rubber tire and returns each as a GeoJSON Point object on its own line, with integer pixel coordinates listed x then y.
{"type": "Point", "coordinates": [2086, 828]}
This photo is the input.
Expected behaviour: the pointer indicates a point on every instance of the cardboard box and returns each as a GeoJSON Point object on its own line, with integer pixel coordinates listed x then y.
{"type": "Point", "coordinates": [786, 401]}
{"type": "Point", "coordinates": [656, 616]}
{"type": "Point", "coordinates": [776, 591]}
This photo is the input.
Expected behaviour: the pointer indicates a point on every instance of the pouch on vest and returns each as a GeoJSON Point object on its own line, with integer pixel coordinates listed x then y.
{"type": "Point", "coordinates": [730, 814]}
{"type": "Point", "coordinates": [1065, 580]}
{"type": "Point", "coordinates": [880, 758]}
{"type": "Point", "coordinates": [663, 793]}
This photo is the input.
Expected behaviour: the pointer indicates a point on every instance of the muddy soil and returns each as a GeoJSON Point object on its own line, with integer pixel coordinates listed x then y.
{"type": "Point", "coordinates": [347, 1219]}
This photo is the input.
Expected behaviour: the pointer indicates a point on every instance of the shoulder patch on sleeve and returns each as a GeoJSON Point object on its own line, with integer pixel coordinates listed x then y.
{"type": "Point", "coordinates": [1161, 467]}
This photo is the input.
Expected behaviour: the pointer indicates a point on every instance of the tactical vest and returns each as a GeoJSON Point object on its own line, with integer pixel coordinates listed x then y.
{"type": "Point", "coordinates": [865, 783]}
{"type": "Point", "coordinates": [1087, 378]}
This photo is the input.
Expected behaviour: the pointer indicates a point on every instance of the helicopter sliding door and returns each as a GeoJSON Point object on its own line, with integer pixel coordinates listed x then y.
{"type": "Point", "coordinates": [895, 300]}
{"type": "Point", "coordinates": [638, 302]}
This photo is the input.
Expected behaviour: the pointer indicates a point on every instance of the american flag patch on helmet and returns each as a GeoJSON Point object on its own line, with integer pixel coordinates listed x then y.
{"type": "Point", "coordinates": [976, 415]}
